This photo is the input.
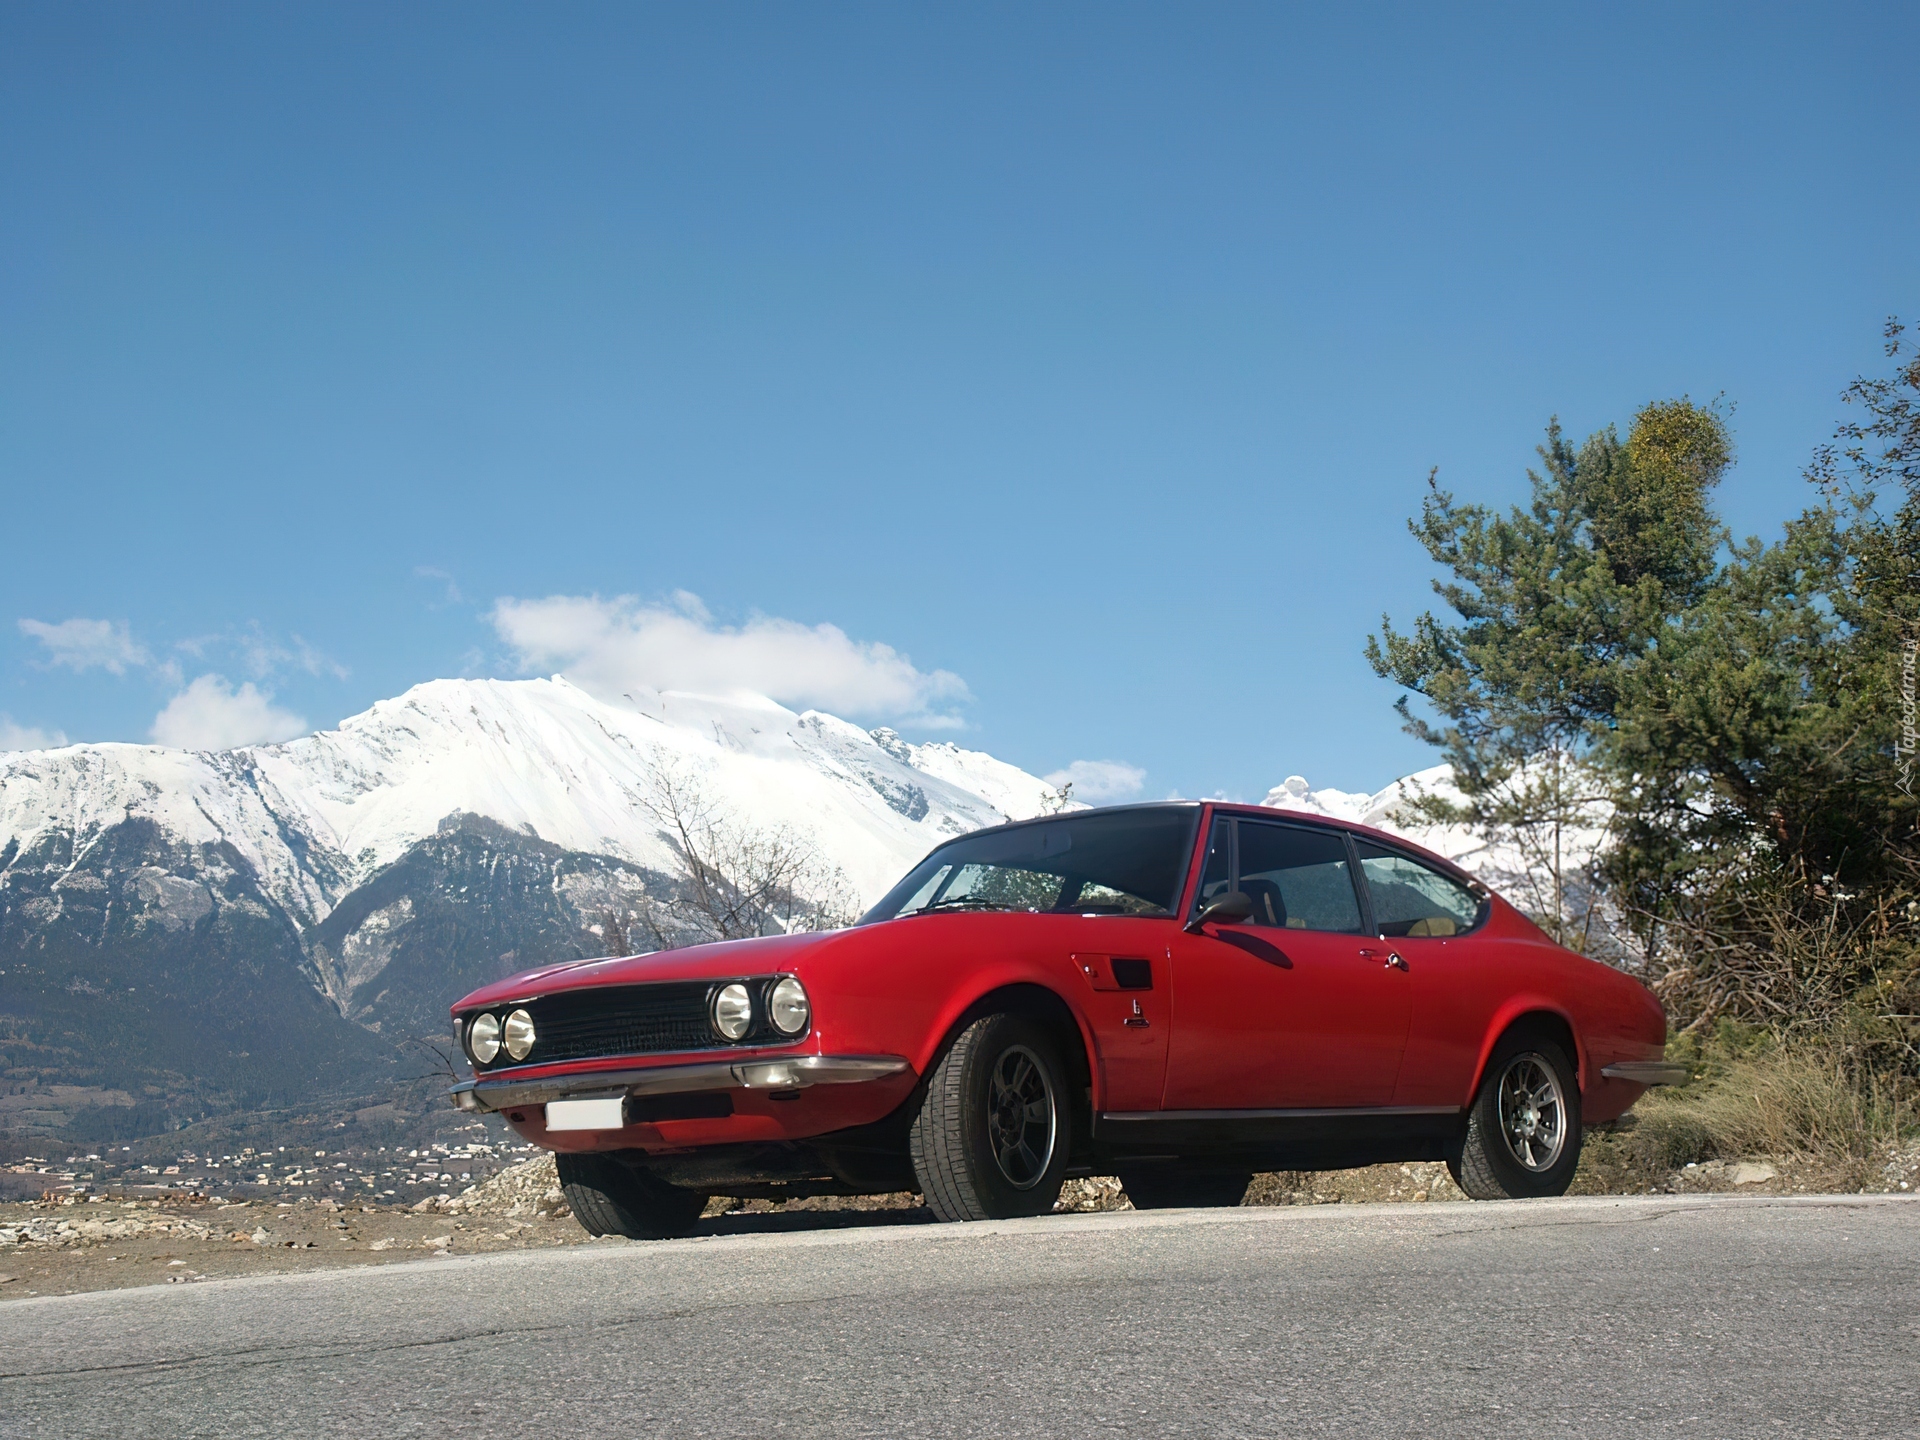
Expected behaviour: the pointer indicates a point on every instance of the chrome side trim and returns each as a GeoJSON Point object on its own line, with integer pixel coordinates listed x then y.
{"type": "Point", "coordinates": [791, 1074]}
{"type": "Point", "coordinates": [1647, 1072]}
{"type": "Point", "coordinates": [1355, 1112]}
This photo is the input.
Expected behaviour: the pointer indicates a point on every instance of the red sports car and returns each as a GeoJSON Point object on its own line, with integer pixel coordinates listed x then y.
{"type": "Point", "coordinates": [1178, 994]}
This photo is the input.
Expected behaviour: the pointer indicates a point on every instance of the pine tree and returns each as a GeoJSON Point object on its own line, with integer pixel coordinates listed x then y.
{"type": "Point", "coordinates": [1741, 711]}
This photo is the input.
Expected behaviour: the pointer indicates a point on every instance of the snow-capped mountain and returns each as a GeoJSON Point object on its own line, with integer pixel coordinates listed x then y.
{"type": "Point", "coordinates": [1389, 810]}
{"type": "Point", "coordinates": [168, 915]}
{"type": "Point", "coordinates": [316, 817]}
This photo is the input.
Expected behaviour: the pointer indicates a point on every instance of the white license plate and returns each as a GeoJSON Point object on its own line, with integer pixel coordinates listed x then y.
{"type": "Point", "coordinates": [607, 1114]}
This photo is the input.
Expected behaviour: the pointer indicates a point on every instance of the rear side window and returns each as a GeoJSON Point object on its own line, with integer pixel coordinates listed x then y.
{"type": "Point", "coordinates": [1298, 879]}
{"type": "Point", "coordinates": [1410, 898]}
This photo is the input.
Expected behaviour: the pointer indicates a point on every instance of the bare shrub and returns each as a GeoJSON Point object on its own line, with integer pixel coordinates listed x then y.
{"type": "Point", "coordinates": [1789, 953]}
{"type": "Point", "coordinates": [613, 933]}
{"type": "Point", "coordinates": [737, 879]}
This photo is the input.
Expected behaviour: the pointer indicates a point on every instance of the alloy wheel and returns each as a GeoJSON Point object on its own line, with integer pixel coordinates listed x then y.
{"type": "Point", "coordinates": [1021, 1125]}
{"type": "Point", "coordinates": [1533, 1112]}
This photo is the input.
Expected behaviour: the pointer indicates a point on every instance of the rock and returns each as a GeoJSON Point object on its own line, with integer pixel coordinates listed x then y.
{"type": "Point", "coordinates": [528, 1189]}
{"type": "Point", "coordinates": [437, 1242]}
{"type": "Point", "coordinates": [1749, 1172]}
{"type": "Point", "coordinates": [260, 1236]}
{"type": "Point", "coordinates": [1093, 1194]}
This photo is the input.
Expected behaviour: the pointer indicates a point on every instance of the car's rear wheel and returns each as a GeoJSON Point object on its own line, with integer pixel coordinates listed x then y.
{"type": "Point", "coordinates": [1523, 1131]}
{"type": "Point", "coordinates": [991, 1137]}
{"type": "Point", "coordinates": [1167, 1187]}
{"type": "Point", "coordinates": [609, 1198]}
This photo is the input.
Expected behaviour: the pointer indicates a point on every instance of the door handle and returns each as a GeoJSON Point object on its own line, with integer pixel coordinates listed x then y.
{"type": "Point", "coordinates": [1393, 960]}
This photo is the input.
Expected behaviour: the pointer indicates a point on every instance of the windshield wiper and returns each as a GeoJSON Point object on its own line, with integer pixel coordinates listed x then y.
{"type": "Point", "coordinates": [961, 902]}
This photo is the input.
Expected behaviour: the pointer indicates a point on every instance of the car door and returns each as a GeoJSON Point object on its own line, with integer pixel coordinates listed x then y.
{"type": "Point", "coordinates": [1427, 918]}
{"type": "Point", "coordinates": [1295, 1008]}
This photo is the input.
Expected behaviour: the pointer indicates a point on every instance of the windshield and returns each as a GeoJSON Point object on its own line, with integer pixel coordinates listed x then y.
{"type": "Point", "coordinates": [1096, 862]}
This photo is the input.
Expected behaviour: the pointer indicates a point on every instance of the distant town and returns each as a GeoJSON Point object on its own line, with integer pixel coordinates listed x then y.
{"type": "Point", "coordinates": [402, 1177]}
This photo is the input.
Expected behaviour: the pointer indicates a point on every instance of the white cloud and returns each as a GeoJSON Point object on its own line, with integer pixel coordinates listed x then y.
{"type": "Point", "coordinates": [264, 656]}
{"type": "Point", "coordinates": [27, 737]}
{"type": "Point", "coordinates": [83, 644]}
{"type": "Point", "coordinates": [614, 647]}
{"type": "Point", "coordinates": [1096, 781]}
{"type": "Point", "coordinates": [211, 715]}
{"type": "Point", "coordinates": [451, 594]}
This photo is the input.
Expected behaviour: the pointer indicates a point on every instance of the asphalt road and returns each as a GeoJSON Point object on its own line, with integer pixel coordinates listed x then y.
{"type": "Point", "coordinates": [1592, 1318]}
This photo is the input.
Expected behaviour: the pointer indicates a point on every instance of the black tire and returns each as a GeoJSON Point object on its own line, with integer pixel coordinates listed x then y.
{"type": "Point", "coordinates": [1168, 1187]}
{"type": "Point", "coordinates": [610, 1198]}
{"type": "Point", "coordinates": [991, 1138]}
{"type": "Point", "coordinates": [1524, 1068]}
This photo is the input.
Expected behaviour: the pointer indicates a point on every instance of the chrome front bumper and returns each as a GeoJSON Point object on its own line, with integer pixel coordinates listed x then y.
{"type": "Point", "coordinates": [798, 1073]}
{"type": "Point", "coordinates": [1646, 1072]}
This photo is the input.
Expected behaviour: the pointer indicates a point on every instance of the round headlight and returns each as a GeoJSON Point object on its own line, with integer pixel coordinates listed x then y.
{"type": "Point", "coordinates": [733, 1011]}
{"type": "Point", "coordinates": [787, 1006]}
{"type": "Point", "coordinates": [519, 1034]}
{"type": "Point", "coordinates": [483, 1038]}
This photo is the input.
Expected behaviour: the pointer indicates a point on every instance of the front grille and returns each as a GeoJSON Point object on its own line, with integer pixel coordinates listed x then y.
{"type": "Point", "coordinates": [607, 1021]}
{"type": "Point", "coordinates": [611, 1020]}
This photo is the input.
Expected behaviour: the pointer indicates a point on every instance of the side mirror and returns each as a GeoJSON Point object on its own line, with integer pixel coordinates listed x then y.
{"type": "Point", "coordinates": [1227, 910]}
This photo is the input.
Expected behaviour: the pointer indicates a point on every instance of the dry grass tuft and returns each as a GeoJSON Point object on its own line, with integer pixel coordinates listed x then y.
{"type": "Point", "coordinates": [1819, 1103]}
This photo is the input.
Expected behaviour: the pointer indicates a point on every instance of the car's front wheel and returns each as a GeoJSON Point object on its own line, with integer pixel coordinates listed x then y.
{"type": "Point", "coordinates": [1523, 1131]}
{"type": "Point", "coordinates": [991, 1137]}
{"type": "Point", "coordinates": [1167, 1187]}
{"type": "Point", "coordinates": [609, 1198]}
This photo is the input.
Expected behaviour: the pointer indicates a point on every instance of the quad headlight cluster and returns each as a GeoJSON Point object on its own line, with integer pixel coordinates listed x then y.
{"type": "Point", "coordinates": [487, 1036]}
{"type": "Point", "coordinates": [761, 1010]}
{"type": "Point", "coordinates": [786, 1009]}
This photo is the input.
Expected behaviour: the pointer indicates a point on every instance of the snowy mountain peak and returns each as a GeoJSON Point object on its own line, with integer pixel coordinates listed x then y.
{"type": "Point", "coordinates": [316, 816]}
{"type": "Point", "coordinates": [1386, 809]}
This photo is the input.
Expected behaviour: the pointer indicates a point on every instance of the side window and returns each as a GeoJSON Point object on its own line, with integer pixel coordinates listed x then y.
{"type": "Point", "coordinates": [1298, 879]}
{"type": "Point", "coordinates": [1414, 899]}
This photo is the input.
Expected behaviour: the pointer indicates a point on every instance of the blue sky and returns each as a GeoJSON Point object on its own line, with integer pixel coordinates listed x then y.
{"type": "Point", "coordinates": [1078, 365]}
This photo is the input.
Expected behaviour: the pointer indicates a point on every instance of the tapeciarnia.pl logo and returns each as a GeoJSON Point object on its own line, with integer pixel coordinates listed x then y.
{"type": "Point", "coordinates": [1904, 747]}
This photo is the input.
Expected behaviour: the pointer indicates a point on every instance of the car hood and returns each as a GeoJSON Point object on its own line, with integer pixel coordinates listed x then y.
{"type": "Point", "coordinates": [718, 960]}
